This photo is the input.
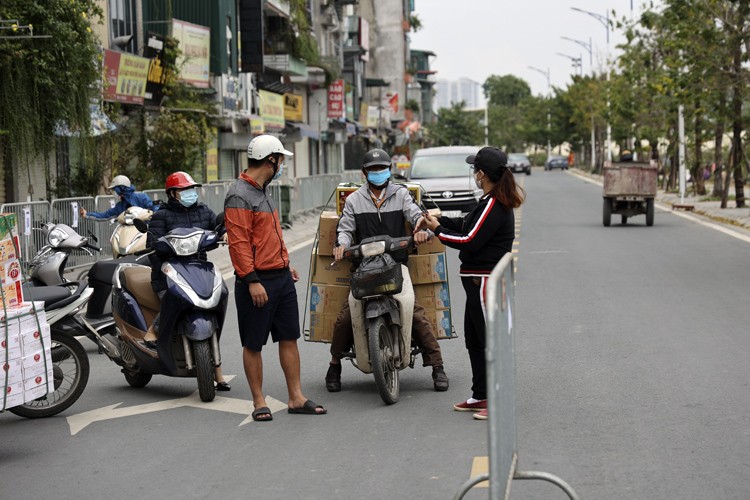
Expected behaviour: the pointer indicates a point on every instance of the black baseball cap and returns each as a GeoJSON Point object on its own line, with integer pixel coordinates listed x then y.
{"type": "Point", "coordinates": [490, 159]}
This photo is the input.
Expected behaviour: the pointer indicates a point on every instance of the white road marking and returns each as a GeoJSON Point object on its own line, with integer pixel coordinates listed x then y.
{"type": "Point", "coordinates": [80, 421]}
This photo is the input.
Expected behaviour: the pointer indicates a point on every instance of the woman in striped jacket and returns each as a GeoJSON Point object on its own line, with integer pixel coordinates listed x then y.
{"type": "Point", "coordinates": [482, 237]}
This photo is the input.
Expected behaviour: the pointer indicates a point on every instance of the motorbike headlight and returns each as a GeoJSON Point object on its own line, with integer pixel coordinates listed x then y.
{"type": "Point", "coordinates": [186, 245]}
{"type": "Point", "coordinates": [56, 236]}
{"type": "Point", "coordinates": [129, 219]}
{"type": "Point", "coordinates": [374, 248]}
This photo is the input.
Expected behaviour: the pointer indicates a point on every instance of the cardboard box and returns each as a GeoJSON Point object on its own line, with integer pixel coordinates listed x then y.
{"type": "Point", "coordinates": [440, 319]}
{"type": "Point", "coordinates": [12, 294]}
{"type": "Point", "coordinates": [9, 248]}
{"type": "Point", "coordinates": [326, 271]}
{"type": "Point", "coordinates": [18, 310]}
{"type": "Point", "coordinates": [11, 372]}
{"type": "Point", "coordinates": [342, 191]}
{"type": "Point", "coordinates": [433, 295]}
{"type": "Point", "coordinates": [328, 298]}
{"type": "Point", "coordinates": [13, 396]}
{"type": "Point", "coordinates": [10, 348]}
{"type": "Point", "coordinates": [36, 363]}
{"type": "Point", "coordinates": [327, 233]}
{"type": "Point", "coordinates": [35, 339]}
{"type": "Point", "coordinates": [427, 268]}
{"type": "Point", "coordinates": [37, 386]}
{"type": "Point", "coordinates": [10, 271]}
{"type": "Point", "coordinates": [321, 327]}
{"type": "Point", "coordinates": [432, 246]}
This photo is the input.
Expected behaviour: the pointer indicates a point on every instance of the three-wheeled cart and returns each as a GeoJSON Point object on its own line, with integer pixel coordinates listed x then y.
{"type": "Point", "coordinates": [629, 189]}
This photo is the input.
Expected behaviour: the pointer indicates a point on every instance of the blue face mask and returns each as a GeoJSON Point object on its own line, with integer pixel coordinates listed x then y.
{"type": "Point", "coordinates": [117, 190]}
{"type": "Point", "coordinates": [188, 197]}
{"type": "Point", "coordinates": [378, 177]}
{"type": "Point", "coordinates": [278, 172]}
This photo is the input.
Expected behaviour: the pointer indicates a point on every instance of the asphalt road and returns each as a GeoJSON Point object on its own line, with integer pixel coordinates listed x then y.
{"type": "Point", "coordinates": [631, 383]}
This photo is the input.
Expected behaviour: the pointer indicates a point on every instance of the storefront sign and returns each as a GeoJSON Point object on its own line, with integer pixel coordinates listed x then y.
{"type": "Point", "coordinates": [194, 44]}
{"type": "Point", "coordinates": [272, 110]}
{"type": "Point", "coordinates": [257, 126]}
{"type": "Point", "coordinates": [125, 77]}
{"type": "Point", "coordinates": [336, 99]}
{"type": "Point", "coordinates": [230, 93]}
{"type": "Point", "coordinates": [293, 105]}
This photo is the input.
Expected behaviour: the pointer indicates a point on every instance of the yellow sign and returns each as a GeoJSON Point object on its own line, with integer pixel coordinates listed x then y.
{"type": "Point", "coordinates": [293, 107]}
{"type": "Point", "coordinates": [272, 110]}
{"type": "Point", "coordinates": [257, 126]}
{"type": "Point", "coordinates": [212, 158]}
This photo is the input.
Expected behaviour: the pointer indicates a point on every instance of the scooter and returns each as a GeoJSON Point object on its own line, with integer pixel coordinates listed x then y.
{"type": "Point", "coordinates": [70, 363]}
{"type": "Point", "coordinates": [381, 300]}
{"type": "Point", "coordinates": [192, 313]}
{"type": "Point", "coordinates": [126, 239]}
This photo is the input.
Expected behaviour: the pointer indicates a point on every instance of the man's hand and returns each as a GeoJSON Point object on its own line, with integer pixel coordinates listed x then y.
{"type": "Point", "coordinates": [430, 222]}
{"type": "Point", "coordinates": [82, 211]}
{"type": "Point", "coordinates": [421, 237]}
{"type": "Point", "coordinates": [258, 294]}
{"type": "Point", "coordinates": [421, 223]}
{"type": "Point", "coordinates": [338, 253]}
{"type": "Point", "coordinates": [295, 274]}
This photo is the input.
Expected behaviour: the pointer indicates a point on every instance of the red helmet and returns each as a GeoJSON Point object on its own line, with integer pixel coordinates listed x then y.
{"type": "Point", "coordinates": [180, 180]}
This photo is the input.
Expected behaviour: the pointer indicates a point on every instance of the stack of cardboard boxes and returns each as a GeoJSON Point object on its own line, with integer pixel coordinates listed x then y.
{"type": "Point", "coordinates": [25, 355]}
{"type": "Point", "coordinates": [330, 280]}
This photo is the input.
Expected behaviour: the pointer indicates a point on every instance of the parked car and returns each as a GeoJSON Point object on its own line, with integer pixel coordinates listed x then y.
{"type": "Point", "coordinates": [446, 178]}
{"type": "Point", "coordinates": [519, 162]}
{"type": "Point", "coordinates": [556, 161]}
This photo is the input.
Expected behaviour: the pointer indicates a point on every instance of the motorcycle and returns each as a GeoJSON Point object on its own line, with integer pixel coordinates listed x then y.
{"type": "Point", "coordinates": [126, 239]}
{"type": "Point", "coordinates": [63, 302]}
{"type": "Point", "coordinates": [192, 313]}
{"type": "Point", "coordinates": [381, 300]}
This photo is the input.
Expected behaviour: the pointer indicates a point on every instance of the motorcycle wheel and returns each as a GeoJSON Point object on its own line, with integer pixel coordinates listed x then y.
{"type": "Point", "coordinates": [381, 357]}
{"type": "Point", "coordinates": [70, 368]}
{"type": "Point", "coordinates": [137, 379]}
{"type": "Point", "coordinates": [204, 367]}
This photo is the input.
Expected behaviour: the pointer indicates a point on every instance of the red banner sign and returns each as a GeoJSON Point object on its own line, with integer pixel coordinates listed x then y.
{"type": "Point", "coordinates": [336, 99]}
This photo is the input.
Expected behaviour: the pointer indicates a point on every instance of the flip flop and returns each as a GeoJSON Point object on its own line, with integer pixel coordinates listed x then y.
{"type": "Point", "coordinates": [262, 414]}
{"type": "Point", "coordinates": [309, 408]}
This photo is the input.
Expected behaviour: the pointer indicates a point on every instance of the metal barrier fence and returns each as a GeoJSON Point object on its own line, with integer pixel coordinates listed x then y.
{"type": "Point", "coordinates": [307, 193]}
{"type": "Point", "coordinates": [501, 382]}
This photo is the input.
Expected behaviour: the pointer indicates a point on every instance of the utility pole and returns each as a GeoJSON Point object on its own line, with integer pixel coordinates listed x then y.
{"type": "Point", "coordinates": [605, 21]}
{"type": "Point", "coordinates": [589, 48]}
{"type": "Point", "coordinates": [549, 98]}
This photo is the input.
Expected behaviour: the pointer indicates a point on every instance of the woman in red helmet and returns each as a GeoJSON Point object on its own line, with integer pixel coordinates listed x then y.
{"type": "Point", "coordinates": [182, 209]}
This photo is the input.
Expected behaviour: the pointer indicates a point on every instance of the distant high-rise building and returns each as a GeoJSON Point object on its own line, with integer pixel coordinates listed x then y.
{"type": "Point", "coordinates": [449, 92]}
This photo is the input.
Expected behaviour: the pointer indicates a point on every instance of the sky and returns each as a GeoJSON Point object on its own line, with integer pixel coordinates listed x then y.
{"type": "Point", "coordinates": [478, 38]}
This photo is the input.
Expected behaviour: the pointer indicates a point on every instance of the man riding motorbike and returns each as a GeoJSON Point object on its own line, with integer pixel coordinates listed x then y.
{"type": "Point", "coordinates": [379, 208]}
{"type": "Point", "coordinates": [181, 210]}
{"type": "Point", "coordinates": [123, 188]}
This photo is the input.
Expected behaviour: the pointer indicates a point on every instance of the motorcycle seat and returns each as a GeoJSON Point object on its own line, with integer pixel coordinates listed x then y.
{"type": "Point", "coordinates": [104, 270]}
{"type": "Point", "coordinates": [51, 295]}
{"type": "Point", "coordinates": [137, 280]}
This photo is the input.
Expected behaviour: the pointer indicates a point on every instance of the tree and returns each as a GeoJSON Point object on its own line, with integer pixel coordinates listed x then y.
{"type": "Point", "coordinates": [46, 81]}
{"type": "Point", "coordinates": [456, 127]}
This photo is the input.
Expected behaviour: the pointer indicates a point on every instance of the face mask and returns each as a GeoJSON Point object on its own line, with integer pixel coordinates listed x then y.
{"type": "Point", "coordinates": [188, 197]}
{"type": "Point", "coordinates": [378, 177]}
{"type": "Point", "coordinates": [278, 172]}
{"type": "Point", "coordinates": [118, 190]}
{"type": "Point", "coordinates": [477, 181]}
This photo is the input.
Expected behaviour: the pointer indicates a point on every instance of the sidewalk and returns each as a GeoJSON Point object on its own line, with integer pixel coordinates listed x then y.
{"type": "Point", "coordinates": [732, 217]}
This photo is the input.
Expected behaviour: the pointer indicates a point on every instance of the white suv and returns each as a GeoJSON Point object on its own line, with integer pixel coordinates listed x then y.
{"type": "Point", "coordinates": [446, 177]}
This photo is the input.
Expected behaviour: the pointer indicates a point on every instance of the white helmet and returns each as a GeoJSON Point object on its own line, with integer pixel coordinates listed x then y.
{"type": "Point", "coordinates": [263, 145]}
{"type": "Point", "coordinates": [119, 180]}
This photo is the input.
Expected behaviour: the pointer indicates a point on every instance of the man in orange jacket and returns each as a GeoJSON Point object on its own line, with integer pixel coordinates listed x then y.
{"type": "Point", "coordinates": [264, 286]}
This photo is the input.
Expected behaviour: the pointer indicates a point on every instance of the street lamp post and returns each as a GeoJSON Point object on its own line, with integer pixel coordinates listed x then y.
{"type": "Point", "coordinates": [577, 61]}
{"type": "Point", "coordinates": [487, 120]}
{"type": "Point", "coordinates": [549, 96]}
{"type": "Point", "coordinates": [605, 21]}
{"type": "Point", "coordinates": [589, 48]}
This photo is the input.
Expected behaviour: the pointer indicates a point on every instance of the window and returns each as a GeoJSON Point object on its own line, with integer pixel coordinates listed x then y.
{"type": "Point", "coordinates": [123, 24]}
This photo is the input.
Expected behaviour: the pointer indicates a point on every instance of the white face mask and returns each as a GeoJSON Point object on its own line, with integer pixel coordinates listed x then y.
{"type": "Point", "coordinates": [477, 181]}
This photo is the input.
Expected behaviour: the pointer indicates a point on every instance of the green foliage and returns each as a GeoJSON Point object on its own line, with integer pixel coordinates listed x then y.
{"type": "Point", "coordinates": [178, 141]}
{"type": "Point", "coordinates": [413, 105]}
{"type": "Point", "coordinates": [47, 80]}
{"type": "Point", "coordinates": [456, 127]}
{"type": "Point", "coordinates": [507, 90]}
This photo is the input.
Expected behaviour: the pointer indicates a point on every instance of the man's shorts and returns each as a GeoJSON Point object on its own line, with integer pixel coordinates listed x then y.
{"type": "Point", "coordinates": [279, 317]}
